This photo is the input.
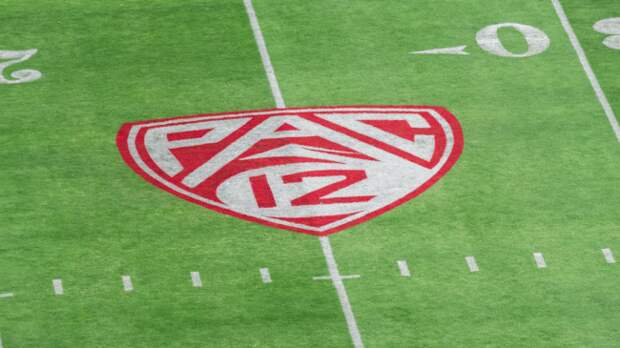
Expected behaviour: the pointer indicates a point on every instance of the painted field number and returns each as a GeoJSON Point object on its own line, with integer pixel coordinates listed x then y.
{"type": "Point", "coordinates": [610, 26]}
{"type": "Point", "coordinates": [8, 58]}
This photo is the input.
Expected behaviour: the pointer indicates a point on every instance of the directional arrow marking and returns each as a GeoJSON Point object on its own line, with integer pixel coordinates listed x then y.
{"type": "Point", "coordinates": [458, 50]}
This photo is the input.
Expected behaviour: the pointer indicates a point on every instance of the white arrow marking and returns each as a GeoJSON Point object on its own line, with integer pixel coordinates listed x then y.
{"type": "Point", "coordinates": [458, 50]}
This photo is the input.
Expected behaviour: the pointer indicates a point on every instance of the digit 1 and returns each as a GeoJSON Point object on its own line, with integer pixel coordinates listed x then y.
{"type": "Point", "coordinates": [262, 191]}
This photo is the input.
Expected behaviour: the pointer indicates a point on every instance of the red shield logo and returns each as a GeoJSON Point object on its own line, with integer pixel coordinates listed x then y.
{"type": "Point", "coordinates": [311, 170]}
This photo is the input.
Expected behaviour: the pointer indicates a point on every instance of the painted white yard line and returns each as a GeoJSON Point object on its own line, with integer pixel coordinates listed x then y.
{"type": "Point", "coordinates": [404, 268]}
{"type": "Point", "coordinates": [342, 292]}
{"type": "Point", "coordinates": [540, 260]}
{"type": "Point", "coordinates": [609, 256]}
{"type": "Point", "coordinates": [613, 121]}
{"type": "Point", "coordinates": [345, 277]}
{"type": "Point", "coordinates": [196, 281]}
{"type": "Point", "coordinates": [264, 54]}
{"type": "Point", "coordinates": [6, 295]}
{"type": "Point", "coordinates": [127, 284]}
{"type": "Point", "coordinates": [58, 289]}
{"type": "Point", "coordinates": [325, 243]}
{"type": "Point", "coordinates": [265, 275]}
{"type": "Point", "coordinates": [471, 263]}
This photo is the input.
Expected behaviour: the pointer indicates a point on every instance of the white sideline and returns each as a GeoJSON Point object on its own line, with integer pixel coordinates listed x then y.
{"type": "Point", "coordinates": [613, 121]}
{"type": "Point", "coordinates": [196, 281]}
{"type": "Point", "coordinates": [325, 244]}
{"type": "Point", "coordinates": [127, 284]}
{"type": "Point", "coordinates": [404, 268]}
{"type": "Point", "coordinates": [265, 275]}
{"type": "Point", "coordinates": [471, 263]}
{"type": "Point", "coordinates": [540, 260]}
{"type": "Point", "coordinates": [609, 256]}
{"type": "Point", "coordinates": [58, 289]}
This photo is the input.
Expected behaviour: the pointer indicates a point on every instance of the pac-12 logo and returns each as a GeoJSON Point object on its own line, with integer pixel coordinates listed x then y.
{"type": "Point", "coordinates": [313, 170]}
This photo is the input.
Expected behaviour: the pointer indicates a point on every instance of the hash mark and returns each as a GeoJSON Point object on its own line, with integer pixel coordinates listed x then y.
{"type": "Point", "coordinates": [264, 274]}
{"type": "Point", "coordinates": [471, 263]}
{"type": "Point", "coordinates": [609, 256]}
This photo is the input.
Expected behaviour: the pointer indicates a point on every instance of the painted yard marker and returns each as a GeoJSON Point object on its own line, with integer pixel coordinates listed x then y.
{"type": "Point", "coordinates": [540, 260]}
{"type": "Point", "coordinates": [356, 337]}
{"type": "Point", "coordinates": [609, 256]}
{"type": "Point", "coordinates": [196, 281]}
{"type": "Point", "coordinates": [404, 268]}
{"type": "Point", "coordinates": [458, 50]}
{"type": "Point", "coordinates": [6, 295]}
{"type": "Point", "coordinates": [471, 263]}
{"type": "Point", "coordinates": [127, 284]}
{"type": "Point", "coordinates": [264, 274]}
{"type": "Point", "coordinates": [583, 59]}
{"type": "Point", "coordinates": [58, 289]}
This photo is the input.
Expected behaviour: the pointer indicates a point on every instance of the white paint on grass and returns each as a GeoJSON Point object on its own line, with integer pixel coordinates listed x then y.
{"type": "Point", "coordinates": [58, 289]}
{"type": "Point", "coordinates": [611, 117]}
{"type": "Point", "coordinates": [471, 263]}
{"type": "Point", "coordinates": [127, 284]}
{"type": "Point", "coordinates": [19, 76]}
{"type": "Point", "coordinates": [342, 292]}
{"type": "Point", "coordinates": [196, 281]}
{"type": "Point", "coordinates": [345, 277]}
{"type": "Point", "coordinates": [1, 346]}
{"type": "Point", "coordinates": [264, 54]}
{"type": "Point", "coordinates": [609, 256]}
{"type": "Point", "coordinates": [265, 276]}
{"type": "Point", "coordinates": [325, 244]}
{"type": "Point", "coordinates": [488, 39]}
{"type": "Point", "coordinates": [458, 50]}
{"type": "Point", "coordinates": [6, 295]}
{"type": "Point", "coordinates": [610, 26]}
{"type": "Point", "coordinates": [540, 260]}
{"type": "Point", "coordinates": [404, 268]}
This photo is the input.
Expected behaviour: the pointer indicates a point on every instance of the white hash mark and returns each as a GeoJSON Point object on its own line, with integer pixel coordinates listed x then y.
{"type": "Point", "coordinates": [471, 263]}
{"type": "Point", "coordinates": [404, 268]}
{"type": "Point", "coordinates": [609, 255]}
{"type": "Point", "coordinates": [540, 260]}
{"type": "Point", "coordinates": [127, 284]}
{"type": "Point", "coordinates": [265, 275]}
{"type": "Point", "coordinates": [196, 281]}
{"type": "Point", "coordinates": [58, 289]}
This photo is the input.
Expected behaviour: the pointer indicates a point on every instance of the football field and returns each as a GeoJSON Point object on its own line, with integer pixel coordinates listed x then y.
{"type": "Point", "coordinates": [507, 240]}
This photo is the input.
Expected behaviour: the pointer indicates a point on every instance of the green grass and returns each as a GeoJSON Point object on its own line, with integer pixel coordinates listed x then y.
{"type": "Point", "coordinates": [540, 172]}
